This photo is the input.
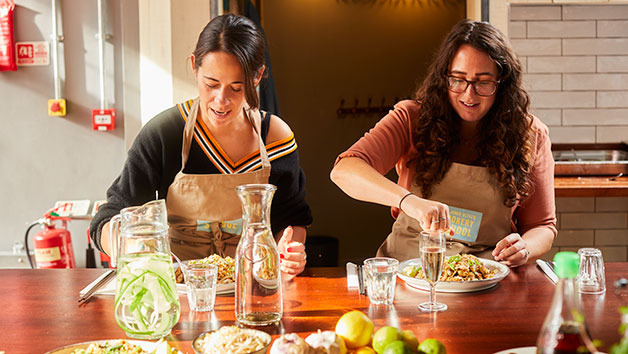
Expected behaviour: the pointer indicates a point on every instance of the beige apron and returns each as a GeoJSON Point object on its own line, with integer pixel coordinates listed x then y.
{"type": "Point", "coordinates": [200, 204]}
{"type": "Point", "coordinates": [467, 187]}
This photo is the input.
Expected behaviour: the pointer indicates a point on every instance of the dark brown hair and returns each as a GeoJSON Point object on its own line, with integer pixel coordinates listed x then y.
{"type": "Point", "coordinates": [239, 37]}
{"type": "Point", "coordinates": [504, 146]}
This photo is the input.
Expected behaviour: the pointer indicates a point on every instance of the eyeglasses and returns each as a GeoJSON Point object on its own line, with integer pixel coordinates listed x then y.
{"type": "Point", "coordinates": [481, 88]}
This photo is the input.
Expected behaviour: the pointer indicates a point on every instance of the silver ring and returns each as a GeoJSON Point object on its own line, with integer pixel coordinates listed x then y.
{"type": "Point", "coordinates": [443, 218]}
{"type": "Point", "coordinates": [527, 253]}
{"type": "Point", "coordinates": [304, 255]}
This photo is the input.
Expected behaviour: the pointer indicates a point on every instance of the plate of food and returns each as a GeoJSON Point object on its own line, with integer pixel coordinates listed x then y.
{"type": "Point", "coordinates": [461, 273]}
{"type": "Point", "coordinates": [232, 339]}
{"type": "Point", "coordinates": [116, 346]}
{"type": "Point", "coordinates": [226, 272]}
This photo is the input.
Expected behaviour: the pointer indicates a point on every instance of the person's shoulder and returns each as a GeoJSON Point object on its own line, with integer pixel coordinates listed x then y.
{"type": "Point", "coordinates": [411, 106]}
{"type": "Point", "coordinates": [170, 118]}
{"type": "Point", "coordinates": [537, 126]}
{"type": "Point", "coordinates": [278, 129]}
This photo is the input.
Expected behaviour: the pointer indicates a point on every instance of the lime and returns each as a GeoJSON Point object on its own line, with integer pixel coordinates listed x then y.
{"type": "Point", "coordinates": [385, 335]}
{"type": "Point", "coordinates": [397, 347]}
{"type": "Point", "coordinates": [355, 328]}
{"type": "Point", "coordinates": [410, 339]}
{"type": "Point", "coordinates": [432, 346]}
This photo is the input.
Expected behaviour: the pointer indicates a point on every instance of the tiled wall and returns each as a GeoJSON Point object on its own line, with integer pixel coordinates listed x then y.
{"type": "Point", "coordinates": [576, 70]}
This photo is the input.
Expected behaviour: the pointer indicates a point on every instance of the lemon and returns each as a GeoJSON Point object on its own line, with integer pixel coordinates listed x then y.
{"type": "Point", "coordinates": [410, 339]}
{"type": "Point", "coordinates": [385, 335]}
{"type": "Point", "coordinates": [363, 350]}
{"type": "Point", "coordinates": [355, 328]}
{"type": "Point", "coordinates": [432, 346]}
{"type": "Point", "coordinates": [397, 347]}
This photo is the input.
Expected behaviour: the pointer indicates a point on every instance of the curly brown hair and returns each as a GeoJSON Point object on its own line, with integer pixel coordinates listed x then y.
{"type": "Point", "coordinates": [505, 140]}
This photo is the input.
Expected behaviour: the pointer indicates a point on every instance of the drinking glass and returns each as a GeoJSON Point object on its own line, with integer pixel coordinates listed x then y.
{"type": "Point", "coordinates": [432, 251]}
{"type": "Point", "coordinates": [200, 282]}
{"type": "Point", "coordinates": [381, 276]}
{"type": "Point", "coordinates": [591, 278]}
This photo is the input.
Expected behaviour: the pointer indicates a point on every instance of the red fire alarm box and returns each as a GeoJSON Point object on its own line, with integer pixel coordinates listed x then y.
{"type": "Point", "coordinates": [104, 119]}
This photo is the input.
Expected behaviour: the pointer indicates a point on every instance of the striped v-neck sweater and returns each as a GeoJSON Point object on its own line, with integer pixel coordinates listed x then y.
{"type": "Point", "coordinates": [154, 159]}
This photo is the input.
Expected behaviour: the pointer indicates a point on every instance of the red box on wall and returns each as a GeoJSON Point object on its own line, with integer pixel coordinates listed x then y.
{"type": "Point", "coordinates": [104, 119]}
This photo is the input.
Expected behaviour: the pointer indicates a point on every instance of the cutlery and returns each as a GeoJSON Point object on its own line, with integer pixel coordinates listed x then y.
{"type": "Point", "coordinates": [360, 272]}
{"type": "Point", "coordinates": [91, 288]}
{"type": "Point", "coordinates": [548, 268]}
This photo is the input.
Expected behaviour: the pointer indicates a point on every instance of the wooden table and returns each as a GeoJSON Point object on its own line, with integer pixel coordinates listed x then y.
{"type": "Point", "coordinates": [591, 186]}
{"type": "Point", "coordinates": [40, 311]}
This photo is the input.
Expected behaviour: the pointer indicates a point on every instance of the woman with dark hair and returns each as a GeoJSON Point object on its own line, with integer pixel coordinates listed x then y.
{"type": "Point", "coordinates": [195, 153]}
{"type": "Point", "coordinates": [470, 157]}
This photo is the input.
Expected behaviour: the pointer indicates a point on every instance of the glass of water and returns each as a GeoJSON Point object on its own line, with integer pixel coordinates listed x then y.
{"type": "Point", "coordinates": [432, 245]}
{"type": "Point", "coordinates": [381, 276]}
{"type": "Point", "coordinates": [200, 282]}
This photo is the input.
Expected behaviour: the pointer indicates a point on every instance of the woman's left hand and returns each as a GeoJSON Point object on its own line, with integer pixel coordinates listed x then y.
{"type": "Point", "coordinates": [512, 251]}
{"type": "Point", "coordinates": [292, 253]}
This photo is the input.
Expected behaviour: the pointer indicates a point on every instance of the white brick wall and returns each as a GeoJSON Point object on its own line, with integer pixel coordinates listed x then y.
{"type": "Point", "coordinates": [575, 58]}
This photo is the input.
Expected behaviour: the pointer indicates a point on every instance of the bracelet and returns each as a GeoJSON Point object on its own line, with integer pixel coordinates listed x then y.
{"type": "Point", "coordinates": [404, 197]}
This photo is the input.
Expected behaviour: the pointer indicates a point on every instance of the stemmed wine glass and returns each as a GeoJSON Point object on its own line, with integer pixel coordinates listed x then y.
{"type": "Point", "coordinates": [432, 245]}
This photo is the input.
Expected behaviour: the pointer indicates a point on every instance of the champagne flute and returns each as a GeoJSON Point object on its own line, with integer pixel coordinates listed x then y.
{"type": "Point", "coordinates": [432, 250]}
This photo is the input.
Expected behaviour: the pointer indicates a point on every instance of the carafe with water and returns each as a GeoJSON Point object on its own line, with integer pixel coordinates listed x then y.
{"type": "Point", "coordinates": [146, 304]}
{"type": "Point", "coordinates": [258, 297]}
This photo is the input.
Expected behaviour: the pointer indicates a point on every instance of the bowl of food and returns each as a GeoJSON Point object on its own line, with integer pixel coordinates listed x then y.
{"type": "Point", "coordinates": [232, 339]}
{"type": "Point", "coordinates": [226, 272]}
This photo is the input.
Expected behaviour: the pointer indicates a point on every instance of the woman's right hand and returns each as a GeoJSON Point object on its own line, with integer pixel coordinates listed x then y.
{"type": "Point", "coordinates": [431, 215]}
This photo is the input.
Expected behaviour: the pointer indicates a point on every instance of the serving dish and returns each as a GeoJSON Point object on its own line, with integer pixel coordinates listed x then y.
{"type": "Point", "coordinates": [455, 286]}
{"type": "Point", "coordinates": [522, 350]}
{"type": "Point", "coordinates": [265, 337]}
{"type": "Point", "coordinates": [69, 349]}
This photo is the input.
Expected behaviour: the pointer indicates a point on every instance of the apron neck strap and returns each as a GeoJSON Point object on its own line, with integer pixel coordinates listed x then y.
{"type": "Point", "coordinates": [188, 133]}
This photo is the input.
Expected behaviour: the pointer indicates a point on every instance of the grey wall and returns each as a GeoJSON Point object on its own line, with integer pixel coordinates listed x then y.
{"type": "Point", "coordinates": [44, 159]}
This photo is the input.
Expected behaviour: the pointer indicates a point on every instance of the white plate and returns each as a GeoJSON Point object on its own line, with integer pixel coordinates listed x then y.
{"type": "Point", "coordinates": [69, 349]}
{"type": "Point", "coordinates": [522, 350]}
{"type": "Point", "coordinates": [455, 286]}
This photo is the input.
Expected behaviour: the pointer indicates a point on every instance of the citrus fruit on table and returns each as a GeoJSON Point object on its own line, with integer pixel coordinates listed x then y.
{"type": "Point", "coordinates": [363, 350]}
{"type": "Point", "coordinates": [432, 346]}
{"type": "Point", "coordinates": [355, 328]}
{"type": "Point", "coordinates": [410, 339]}
{"type": "Point", "coordinates": [385, 335]}
{"type": "Point", "coordinates": [397, 347]}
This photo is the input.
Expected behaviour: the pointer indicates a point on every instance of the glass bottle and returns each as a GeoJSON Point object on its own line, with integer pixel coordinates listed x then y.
{"type": "Point", "coordinates": [258, 296]}
{"type": "Point", "coordinates": [564, 330]}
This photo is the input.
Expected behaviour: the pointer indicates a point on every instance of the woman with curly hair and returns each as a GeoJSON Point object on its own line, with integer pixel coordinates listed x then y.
{"type": "Point", "coordinates": [470, 157]}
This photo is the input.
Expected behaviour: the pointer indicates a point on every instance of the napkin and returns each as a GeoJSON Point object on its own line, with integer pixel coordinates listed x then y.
{"type": "Point", "coordinates": [352, 276]}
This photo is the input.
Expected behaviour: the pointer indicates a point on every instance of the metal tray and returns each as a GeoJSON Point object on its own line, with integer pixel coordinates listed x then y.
{"type": "Point", "coordinates": [590, 159]}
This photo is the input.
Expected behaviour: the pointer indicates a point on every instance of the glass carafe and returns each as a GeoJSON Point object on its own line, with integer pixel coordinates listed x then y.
{"type": "Point", "coordinates": [258, 296]}
{"type": "Point", "coordinates": [146, 303]}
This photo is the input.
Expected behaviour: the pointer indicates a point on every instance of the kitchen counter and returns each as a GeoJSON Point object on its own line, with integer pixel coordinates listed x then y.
{"type": "Point", "coordinates": [591, 186]}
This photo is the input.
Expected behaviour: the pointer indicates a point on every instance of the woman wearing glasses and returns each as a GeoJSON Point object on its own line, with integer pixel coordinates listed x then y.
{"type": "Point", "coordinates": [471, 159]}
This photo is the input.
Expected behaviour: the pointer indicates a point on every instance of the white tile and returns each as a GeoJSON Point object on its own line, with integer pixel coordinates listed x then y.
{"type": "Point", "coordinates": [611, 203]}
{"type": "Point", "coordinates": [549, 116]}
{"type": "Point", "coordinates": [617, 28]}
{"type": "Point", "coordinates": [561, 99]}
{"type": "Point", "coordinates": [525, 12]}
{"type": "Point", "coordinates": [614, 254]}
{"type": "Point", "coordinates": [562, 64]}
{"type": "Point", "coordinates": [599, 116]}
{"type": "Point", "coordinates": [517, 29]}
{"type": "Point", "coordinates": [597, 46]}
{"type": "Point", "coordinates": [537, 46]}
{"type": "Point", "coordinates": [595, 82]}
{"type": "Point", "coordinates": [572, 135]}
{"type": "Point", "coordinates": [543, 82]}
{"type": "Point", "coordinates": [579, 221]}
{"type": "Point", "coordinates": [612, 64]}
{"type": "Point", "coordinates": [574, 238]}
{"type": "Point", "coordinates": [617, 237]}
{"type": "Point", "coordinates": [612, 134]}
{"type": "Point", "coordinates": [613, 99]}
{"type": "Point", "coordinates": [561, 29]}
{"type": "Point", "coordinates": [598, 12]}
{"type": "Point", "coordinates": [575, 204]}
{"type": "Point", "coordinates": [524, 64]}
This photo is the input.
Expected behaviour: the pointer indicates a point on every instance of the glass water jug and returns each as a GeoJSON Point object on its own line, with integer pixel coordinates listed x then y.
{"type": "Point", "coordinates": [146, 303]}
{"type": "Point", "coordinates": [258, 297]}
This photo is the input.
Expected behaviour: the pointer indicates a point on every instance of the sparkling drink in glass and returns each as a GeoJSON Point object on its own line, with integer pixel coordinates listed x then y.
{"type": "Point", "coordinates": [381, 275]}
{"type": "Point", "coordinates": [146, 302]}
{"type": "Point", "coordinates": [432, 246]}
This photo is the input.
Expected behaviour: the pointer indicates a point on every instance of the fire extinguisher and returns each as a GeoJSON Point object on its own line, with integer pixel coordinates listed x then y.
{"type": "Point", "coordinates": [53, 244]}
{"type": "Point", "coordinates": [7, 42]}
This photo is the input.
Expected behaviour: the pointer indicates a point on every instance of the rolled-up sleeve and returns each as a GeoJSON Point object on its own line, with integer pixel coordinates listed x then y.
{"type": "Point", "coordinates": [539, 209]}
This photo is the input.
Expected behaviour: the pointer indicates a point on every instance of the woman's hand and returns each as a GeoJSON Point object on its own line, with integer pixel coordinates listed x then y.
{"type": "Point", "coordinates": [512, 250]}
{"type": "Point", "coordinates": [292, 253]}
{"type": "Point", "coordinates": [430, 214]}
